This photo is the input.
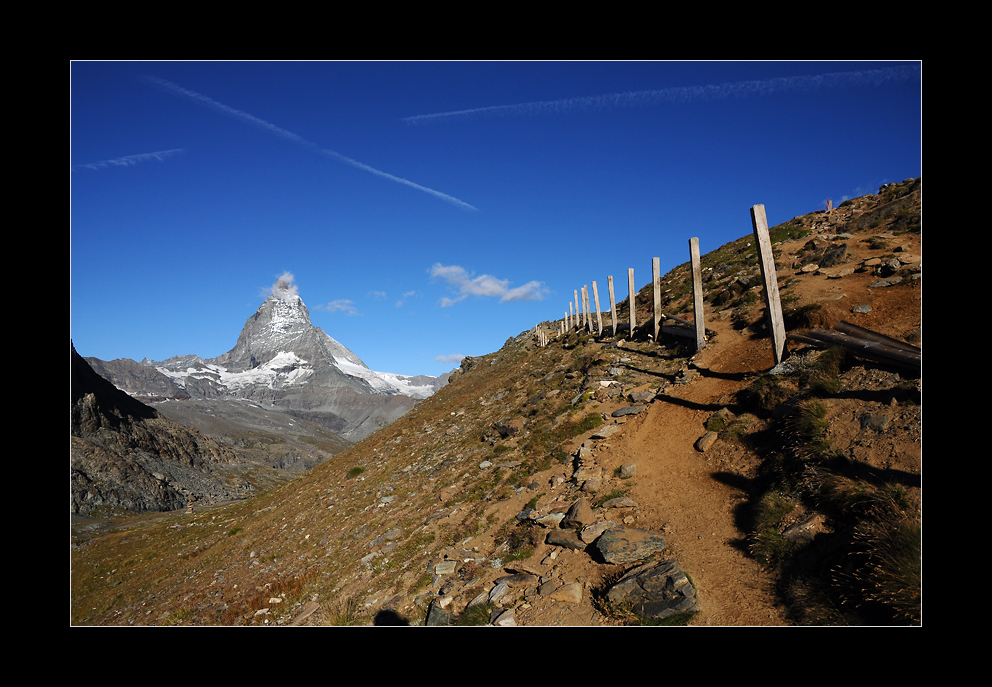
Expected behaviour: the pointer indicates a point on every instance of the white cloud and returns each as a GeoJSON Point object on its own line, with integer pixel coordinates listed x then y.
{"type": "Point", "coordinates": [340, 305]}
{"type": "Point", "coordinates": [484, 285]}
{"type": "Point", "coordinates": [406, 296]}
{"type": "Point", "coordinates": [377, 294]}
{"type": "Point", "coordinates": [284, 289]}
{"type": "Point", "coordinates": [451, 358]}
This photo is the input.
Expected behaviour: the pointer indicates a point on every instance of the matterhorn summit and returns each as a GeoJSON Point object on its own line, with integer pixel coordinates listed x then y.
{"type": "Point", "coordinates": [283, 362]}
{"type": "Point", "coordinates": [281, 327]}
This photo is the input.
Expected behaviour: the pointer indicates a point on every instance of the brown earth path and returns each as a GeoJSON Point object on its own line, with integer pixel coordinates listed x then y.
{"type": "Point", "coordinates": [691, 496]}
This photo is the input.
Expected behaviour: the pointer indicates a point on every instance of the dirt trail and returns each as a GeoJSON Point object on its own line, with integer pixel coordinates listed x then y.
{"type": "Point", "coordinates": [692, 497]}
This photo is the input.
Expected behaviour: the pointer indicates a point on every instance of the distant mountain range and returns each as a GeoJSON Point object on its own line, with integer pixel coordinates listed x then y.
{"type": "Point", "coordinates": [281, 362]}
{"type": "Point", "coordinates": [156, 436]}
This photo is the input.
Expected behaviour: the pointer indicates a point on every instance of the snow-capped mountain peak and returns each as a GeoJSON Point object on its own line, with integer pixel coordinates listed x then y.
{"type": "Point", "coordinates": [282, 360]}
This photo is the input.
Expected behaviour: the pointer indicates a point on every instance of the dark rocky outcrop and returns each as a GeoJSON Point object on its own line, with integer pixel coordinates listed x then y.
{"type": "Point", "coordinates": [125, 455]}
{"type": "Point", "coordinates": [656, 590]}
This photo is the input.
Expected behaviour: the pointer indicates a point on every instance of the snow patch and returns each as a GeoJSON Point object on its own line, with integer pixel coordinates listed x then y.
{"type": "Point", "coordinates": [386, 382]}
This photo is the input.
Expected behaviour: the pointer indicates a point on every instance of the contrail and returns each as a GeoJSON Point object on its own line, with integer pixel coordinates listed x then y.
{"type": "Point", "coordinates": [290, 136]}
{"type": "Point", "coordinates": [740, 89]}
{"type": "Point", "coordinates": [131, 160]}
{"type": "Point", "coordinates": [385, 175]}
{"type": "Point", "coordinates": [244, 116]}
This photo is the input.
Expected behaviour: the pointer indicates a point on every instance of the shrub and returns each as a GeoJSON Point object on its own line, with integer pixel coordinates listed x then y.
{"type": "Point", "coordinates": [475, 615]}
{"type": "Point", "coordinates": [885, 556]}
{"type": "Point", "coordinates": [765, 394]}
{"type": "Point", "coordinates": [807, 431]}
{"type": "Point", "coordinates": [767, 543]}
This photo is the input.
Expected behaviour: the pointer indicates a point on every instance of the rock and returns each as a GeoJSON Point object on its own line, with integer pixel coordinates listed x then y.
{"type": "Point", "coordinates": [656, 590]}
{"type": "Point", "coordinates": [569, 593]}
{"type": "Point", "coordinates": [833, 255]}
{"type": "Point", "coordinates": [498, 592]}
{"type": "Point", "coordinates": [628, 545]}
{"type": "Point", "coordinates": [706, 441]}
{"type": "Point", "coordinates": [627, 471]}
{"type": "Point", "coordinates": [586, 473]}
{"type": "Point", "coordinates": [524, 568]}
{"type": "Point", "coordinates": [606, 432]}
{"type": "Point", "coordinates": [629, 410]}
{"type": "Point", "coordinates": [875, 421]}
{"type": "Point", "coordinates": [621, 502]}
{"type": "Point", "coordinates": [437, 616]}
{"type": "Point", "coordinates": [579, 515]}
{"type": "Point", "coordinates": [551, 520]}
{"type": "Point", "coordinates": [584, 453]}
{"type": "Point", "coordinates": [805, 530]}
{"type": "Point", "coordinates": [592, 485]}
{"type": "Point", "coordinates": [564, 538]}
{"type": "Point", "coordinates": [446, 567]}
{"type": "Point", "coordinates": [505, 430]}
{"type": "Point", "coordinates": [517, 580]}
{"type": "Point", "coordinates": [642, 396]}
{"type": "Point", "coordinates": [505, 619]}
{"type": "Point", "coordinates": [590, 533]}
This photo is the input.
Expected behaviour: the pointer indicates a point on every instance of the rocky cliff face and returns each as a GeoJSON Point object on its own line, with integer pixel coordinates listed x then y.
{"type": "Point", "coordinates": [125, 455]}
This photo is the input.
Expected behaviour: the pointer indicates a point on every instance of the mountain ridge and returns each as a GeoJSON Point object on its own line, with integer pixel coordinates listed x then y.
{"type": "Point", "coordinates": [283, 362]}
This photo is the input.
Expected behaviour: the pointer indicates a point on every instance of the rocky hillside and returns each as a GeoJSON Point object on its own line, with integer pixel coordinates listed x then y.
{"type": "Point", "coordinates": [597, 480]}
{"type": "Point", "coordinates": [124, 455]}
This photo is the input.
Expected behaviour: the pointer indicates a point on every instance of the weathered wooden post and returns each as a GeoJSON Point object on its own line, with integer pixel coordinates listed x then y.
{"type": "Point", "coordinates": [656, 282]}
{"type": "Point", "coordinates": [586, 319]}
{"type": "Point", "coordinates": [575, 292]}
{"type": "Point", "coordinates": [766, 259]}
{"type": "Point", "coordinates": [630, 299]}
{"type": "Point", "coordinates": [613, 306]}
{"type": "Point", "coordinates": [571, 323]}
{"type": "Point", "coordinates": [599, 315]}
{"type": "Point", "coordinates": [697, 294]}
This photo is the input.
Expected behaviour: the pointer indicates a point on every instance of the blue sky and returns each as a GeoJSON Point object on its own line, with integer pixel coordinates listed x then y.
{"type": "Point", "coordinates": [430, 210]}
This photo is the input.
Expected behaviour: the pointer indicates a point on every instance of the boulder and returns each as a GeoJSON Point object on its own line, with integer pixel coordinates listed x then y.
{"type": "Point", "coordinates": [579, 515]}
{"type": "Point", "coordinates": [628, 545]}
{"type": "Point", "coordinates": [628, 410]}
{"type": "Point", "coordinates": [656, 590]}
{"type": "Point", "coordinates": [565, 538]}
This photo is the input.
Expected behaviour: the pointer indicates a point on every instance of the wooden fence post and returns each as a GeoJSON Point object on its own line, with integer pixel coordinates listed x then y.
{"type": "Point", "coordinates": [575, 292]}
{"type": "Point", "coordinates": [585, 308]}
{"type": "Point", "coordinates": [630, 300]}
{"type": "Point", "coordinates": [613, 306]}
{"type": "Point", "coordinates": [656, 282]}
{"type": "Point", "coordinates": [599, 315]}
{"type": "Point", "coordinates": [766, 259]}
{"type": "Point", "coordinates": [697, 295]}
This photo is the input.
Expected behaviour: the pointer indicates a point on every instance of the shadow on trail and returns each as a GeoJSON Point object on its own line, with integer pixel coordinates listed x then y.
{"type": "Point", "coordinates": [744, 512]}
{"type": "Point", "coordinates": [726, 376]}
{"type": "Point", "coordinates": [684, 403]}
